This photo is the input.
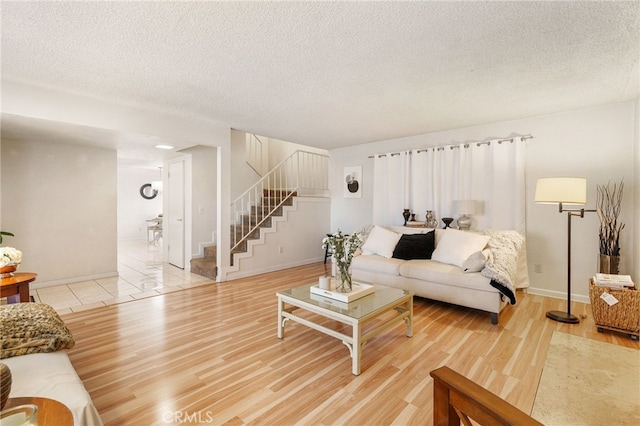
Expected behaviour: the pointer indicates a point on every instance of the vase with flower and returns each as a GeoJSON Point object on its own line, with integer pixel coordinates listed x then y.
{"type": "Point", "coordinates": [10, 257]}
{"type": "Point", "coordinates": [343, 248]}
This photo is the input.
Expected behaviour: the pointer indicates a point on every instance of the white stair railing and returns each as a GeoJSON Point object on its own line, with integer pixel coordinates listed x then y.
{"type": "Point", "coordinates": [301, 171]}
{"type": "Point", "coordinates": [256, 153]}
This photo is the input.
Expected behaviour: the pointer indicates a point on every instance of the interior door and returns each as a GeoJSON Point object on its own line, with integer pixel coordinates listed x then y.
{"type": "Point", "coordinates": [176, 213]}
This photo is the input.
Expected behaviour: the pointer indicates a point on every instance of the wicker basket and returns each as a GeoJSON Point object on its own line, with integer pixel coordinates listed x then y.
{"type": "Point", "coordinates": [624, 316]}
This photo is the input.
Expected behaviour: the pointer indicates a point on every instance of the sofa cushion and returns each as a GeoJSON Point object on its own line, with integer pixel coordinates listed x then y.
{"type": "Point", "coordinates": [415, 246]}
{"type": "Point", "coordinates": [476, 262]}
{"type": "Point", "coordinates": [454, 247]}
{"type": "Point", "coordinates": [442, 273]}
{"type": "Point", "coordinates": [377, 264]}
{"type": "Point", "coordinates": [381, 241]}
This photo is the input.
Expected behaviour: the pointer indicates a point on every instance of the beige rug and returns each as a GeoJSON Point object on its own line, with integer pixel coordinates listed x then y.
{"type": "Point", "coordinates": [587, 382]}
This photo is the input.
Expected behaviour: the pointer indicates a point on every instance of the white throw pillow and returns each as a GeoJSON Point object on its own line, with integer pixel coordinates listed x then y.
{"type": "Point", "coordinates": [454, 247]}
{"type": "Point", "coordinates": [476, 262]}
{"type": "Point", "coordinates": [381, 241]}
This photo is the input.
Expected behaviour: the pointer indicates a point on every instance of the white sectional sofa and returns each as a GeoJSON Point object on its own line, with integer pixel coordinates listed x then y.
{"type": "Point", "coordinates": [51, 375]}
{"type": "Point", "coordinates": [34, 342]}
{"type": "Point", "coordinates": [475, 270]}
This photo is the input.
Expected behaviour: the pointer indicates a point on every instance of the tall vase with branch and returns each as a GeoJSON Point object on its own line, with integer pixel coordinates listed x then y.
{"type": "Point", "coordinates": [343, 248]}
{"type": "Point", "coordinates": [608, 206]}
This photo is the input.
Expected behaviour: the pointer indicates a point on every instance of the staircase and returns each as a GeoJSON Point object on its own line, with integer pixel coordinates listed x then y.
{"type": "Point", "coordinates": [260, 214]}
{"type": "Point", "coordinates": [206, 266]}
{"type": "Point", "coordinates": [267, 199]}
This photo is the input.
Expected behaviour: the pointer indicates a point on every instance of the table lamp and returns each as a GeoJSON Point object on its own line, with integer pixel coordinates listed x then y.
{"type": "Point", "coordinates": [465, 208]}
{"type": "Point", "coordinates": [564, 190]}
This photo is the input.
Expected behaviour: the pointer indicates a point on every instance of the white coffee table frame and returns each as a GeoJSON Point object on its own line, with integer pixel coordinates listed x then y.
{"type": "Point", "coordinates": [403, 305]}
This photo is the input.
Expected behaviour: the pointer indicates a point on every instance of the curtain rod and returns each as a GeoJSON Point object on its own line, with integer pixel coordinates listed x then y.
{"type": "Point", "coordinates": [466, 145]}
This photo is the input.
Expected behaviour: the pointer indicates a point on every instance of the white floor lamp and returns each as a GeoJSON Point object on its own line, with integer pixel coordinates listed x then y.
{"type": "Point", "coordinates": [564, 190]}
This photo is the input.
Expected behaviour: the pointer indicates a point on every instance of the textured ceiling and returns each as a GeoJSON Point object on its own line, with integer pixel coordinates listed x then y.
{"type": "Point", "coordinates": [331, 74]}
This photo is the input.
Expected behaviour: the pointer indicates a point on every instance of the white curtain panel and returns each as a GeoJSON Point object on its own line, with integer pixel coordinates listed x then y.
{"type": "Point", "coordinates": [490, 173]}
{"type": "Point", "coordinates": [391, 183]}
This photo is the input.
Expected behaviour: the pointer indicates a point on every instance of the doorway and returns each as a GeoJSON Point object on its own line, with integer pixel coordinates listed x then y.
{"type": "Point", "coordinates": [175, 213]}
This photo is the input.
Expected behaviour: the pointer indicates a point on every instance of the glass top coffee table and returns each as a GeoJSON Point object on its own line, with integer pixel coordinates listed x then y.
{"type": "Point", "coordinates": [357, 314]}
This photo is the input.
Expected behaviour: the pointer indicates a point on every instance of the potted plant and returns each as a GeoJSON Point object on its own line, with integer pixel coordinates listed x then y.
{"type": "Point", "coordinates": [608, 206]}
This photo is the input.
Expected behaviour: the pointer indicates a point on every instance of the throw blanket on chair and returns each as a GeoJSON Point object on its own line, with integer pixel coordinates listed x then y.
{"type": "Point", "coordinates": [502, 264]}
{"type": "Point", "coordinates": [32, 327]}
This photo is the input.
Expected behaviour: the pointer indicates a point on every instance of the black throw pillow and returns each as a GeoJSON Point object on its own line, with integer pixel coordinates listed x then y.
{"type": "Point", "coordinates": [415, 246]}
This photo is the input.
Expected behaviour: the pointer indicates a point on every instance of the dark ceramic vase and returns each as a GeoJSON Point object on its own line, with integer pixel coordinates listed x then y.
{"type": "Point", "coordinates": [406, 213]}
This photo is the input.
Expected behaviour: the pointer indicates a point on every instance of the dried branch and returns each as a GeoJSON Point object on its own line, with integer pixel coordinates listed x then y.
{"type": "Point", "coordinates": [608, 206]}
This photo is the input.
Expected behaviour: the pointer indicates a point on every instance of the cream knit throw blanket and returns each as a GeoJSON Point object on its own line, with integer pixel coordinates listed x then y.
{"type": "Point", "coordinates": [502, 264]}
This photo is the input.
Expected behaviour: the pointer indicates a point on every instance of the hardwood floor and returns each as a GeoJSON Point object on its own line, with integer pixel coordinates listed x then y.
{"type": "Point", "coordinates": [210, 355]}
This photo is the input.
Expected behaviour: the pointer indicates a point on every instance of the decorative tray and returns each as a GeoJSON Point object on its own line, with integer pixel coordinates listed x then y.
{"type": "Point", "coordinates": [358, 291]}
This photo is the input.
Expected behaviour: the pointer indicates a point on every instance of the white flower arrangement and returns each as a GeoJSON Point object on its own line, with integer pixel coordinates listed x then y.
{"type": "Point", "coordinates": [343, 248]}
{"type": "Point", "coordinates": [9, 256]}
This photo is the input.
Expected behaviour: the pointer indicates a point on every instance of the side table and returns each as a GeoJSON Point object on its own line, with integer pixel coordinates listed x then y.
{"type": "Point", "coordinates": [17, 285]}
{"type": "Point", "coordinates": [50, 411]}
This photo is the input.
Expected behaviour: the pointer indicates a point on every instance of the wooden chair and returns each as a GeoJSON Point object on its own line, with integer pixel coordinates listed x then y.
{"type": "Point", "coordinates": [457, 399]}
{"type": "Point", "coordinates": [327, 252]}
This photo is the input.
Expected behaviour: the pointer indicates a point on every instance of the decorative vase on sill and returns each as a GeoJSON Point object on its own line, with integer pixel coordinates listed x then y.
{"type": "Point", "coordinates": [343, 248]}
{"type": "Point", "coordinates": [431, 221]}
{"type": "Point", "coordinates": [406, 213]}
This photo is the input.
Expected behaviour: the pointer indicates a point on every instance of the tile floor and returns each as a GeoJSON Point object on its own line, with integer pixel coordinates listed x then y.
{"type": "Point", "coordinates": [141, 274]}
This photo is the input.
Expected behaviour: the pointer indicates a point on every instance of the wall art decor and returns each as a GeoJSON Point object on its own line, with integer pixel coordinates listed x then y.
{"type": "Point", "coordinates": [353, 182]}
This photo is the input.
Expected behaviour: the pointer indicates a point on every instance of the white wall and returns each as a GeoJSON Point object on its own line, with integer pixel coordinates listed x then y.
{"type": "Point", "coordinates": [60, 201]}
{"type": "Point", "coordinates": [48, 104]}
{"type": "Point", "coordinates": [596, 143]}
{"type": "Point", "coordinates": [204, 178]}
{"type": "Point", "coordinates": [133, 210]}
{"type": "Point", "coordinates": [280, 150]}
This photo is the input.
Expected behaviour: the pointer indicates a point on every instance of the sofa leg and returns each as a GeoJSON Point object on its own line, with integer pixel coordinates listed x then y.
{"type": "Point", "coordinates": [494, 317]}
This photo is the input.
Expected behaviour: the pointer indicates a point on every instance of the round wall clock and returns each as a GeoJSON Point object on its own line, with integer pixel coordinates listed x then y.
{"type": "Point", "coordinates": [147, 192]}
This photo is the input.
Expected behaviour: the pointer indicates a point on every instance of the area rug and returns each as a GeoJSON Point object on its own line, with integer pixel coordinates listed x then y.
{"type": "Point", "coordinates": [587, 382]}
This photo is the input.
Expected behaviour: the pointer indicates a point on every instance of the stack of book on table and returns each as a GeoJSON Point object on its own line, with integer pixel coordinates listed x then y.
{"type": "Point", "coordinates": [613, 281]}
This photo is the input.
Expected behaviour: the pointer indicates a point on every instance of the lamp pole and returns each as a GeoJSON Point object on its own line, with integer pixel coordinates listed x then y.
{"type": "Point", "coordinates": [560, 316]}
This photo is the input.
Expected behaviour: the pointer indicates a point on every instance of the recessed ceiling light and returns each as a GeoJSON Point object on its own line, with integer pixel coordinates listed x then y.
{"type": "Point", "coordinates": [165, 146]}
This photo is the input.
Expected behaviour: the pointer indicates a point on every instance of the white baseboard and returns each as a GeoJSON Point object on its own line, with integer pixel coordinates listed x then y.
{"type": "Point", "coordinates": [243, 274]}
{"type": "Point", "coordinates": [559, 295]}
{"type": "Point", "coordinates": [36, 285]}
